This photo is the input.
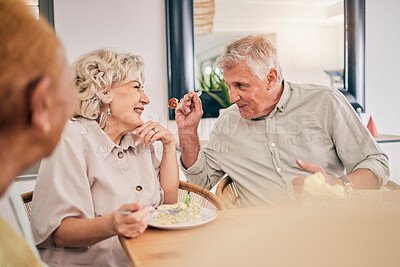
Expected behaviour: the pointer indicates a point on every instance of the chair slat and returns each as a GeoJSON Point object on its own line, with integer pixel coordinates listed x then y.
{"type": "Point", "coordinates": [27, 199]}
{"type": "Point", "coordinates": [227, 192]}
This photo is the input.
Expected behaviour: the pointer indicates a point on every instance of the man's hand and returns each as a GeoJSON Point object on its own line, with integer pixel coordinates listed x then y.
{"type": "Point", "coordinates": [188, 117]}
{"type": "Point", "coordinates": [298, 182]}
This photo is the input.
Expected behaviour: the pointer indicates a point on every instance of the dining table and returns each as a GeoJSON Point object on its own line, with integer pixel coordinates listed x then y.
{"type": "Point", "coordinates": [279, 235]}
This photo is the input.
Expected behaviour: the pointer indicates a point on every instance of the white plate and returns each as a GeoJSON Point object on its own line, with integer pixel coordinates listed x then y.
{"type": "Point", "coordinates": [207, 216]}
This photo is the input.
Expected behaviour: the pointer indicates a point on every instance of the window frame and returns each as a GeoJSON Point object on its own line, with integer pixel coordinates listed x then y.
{"type": "Point", "coordinates": [46, 9]}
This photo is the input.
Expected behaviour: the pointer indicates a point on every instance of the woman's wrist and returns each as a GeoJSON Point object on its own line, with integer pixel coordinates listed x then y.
{"type": "Point", "coordinates": [112, 224]}
{"type": "Point", "coordinates": [170, 146]}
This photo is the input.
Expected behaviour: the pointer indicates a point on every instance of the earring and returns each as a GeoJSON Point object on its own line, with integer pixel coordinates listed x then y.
{"type": "Point", "coordinates": [108, 110]}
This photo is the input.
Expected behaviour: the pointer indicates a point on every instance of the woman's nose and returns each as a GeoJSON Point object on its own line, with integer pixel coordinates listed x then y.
{"type": "Point", "coordinates": [144, 99]}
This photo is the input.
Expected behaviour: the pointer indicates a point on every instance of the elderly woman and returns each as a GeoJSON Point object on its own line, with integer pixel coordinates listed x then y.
{"type": "Point", "coordinates": [105, 163]}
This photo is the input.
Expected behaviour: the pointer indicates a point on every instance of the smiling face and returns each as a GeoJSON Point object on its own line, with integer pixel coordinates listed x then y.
{"type": "Point", "coordinates": [127, 105]}
{"type": "Point", "coordinates": [254, 97]}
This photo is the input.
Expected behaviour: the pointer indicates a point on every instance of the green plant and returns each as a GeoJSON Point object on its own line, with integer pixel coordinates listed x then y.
{"type": "Point", "coordinates": [216, 83]}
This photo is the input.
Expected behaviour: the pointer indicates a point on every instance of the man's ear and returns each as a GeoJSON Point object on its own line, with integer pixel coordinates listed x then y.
{"type": "Point", "coordinates": [39, 102]}
{"type": "Point", "coordinates": [272, 77]}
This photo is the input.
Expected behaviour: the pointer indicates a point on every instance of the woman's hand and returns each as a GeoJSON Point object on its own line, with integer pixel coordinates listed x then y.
{"type": "Point", "coordinates": [131, 225]}
{"type": "Point", "coordinates": [152, 131]}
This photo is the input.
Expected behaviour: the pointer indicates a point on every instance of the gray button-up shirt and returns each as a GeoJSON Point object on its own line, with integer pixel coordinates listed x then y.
{"type": "Point", "coordinates": [312, 123]}
{"type": "Point", "coordinates": [89, 176]}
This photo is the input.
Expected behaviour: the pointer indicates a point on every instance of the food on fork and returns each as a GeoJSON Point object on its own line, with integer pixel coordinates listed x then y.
{"type": "Point", "coordinates": [173, 103]}
{"type": "Point", "coordinates": [185, 212]}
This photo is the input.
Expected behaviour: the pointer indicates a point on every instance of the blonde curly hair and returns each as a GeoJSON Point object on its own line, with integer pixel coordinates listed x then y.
{"type": "Point", "coordinates": [99, 71]}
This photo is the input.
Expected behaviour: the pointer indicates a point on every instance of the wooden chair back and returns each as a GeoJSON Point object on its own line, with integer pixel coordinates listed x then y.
{"type": "Point", "coordinates": [227, 192]}
{"type": "Point", "coordinates": [27, 198]}
{"type": "Point", "coordinates": [200, 194]}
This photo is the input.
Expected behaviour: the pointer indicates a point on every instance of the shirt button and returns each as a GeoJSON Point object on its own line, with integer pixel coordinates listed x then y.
{"type": "Point", "coordinates": [120, 154]}
{"type": "Point", "coordinates": [139, 188]}
{"type": "Point", "coordinates": [278, 169]}
{"type": "Point", "coordinates": [272, 144]}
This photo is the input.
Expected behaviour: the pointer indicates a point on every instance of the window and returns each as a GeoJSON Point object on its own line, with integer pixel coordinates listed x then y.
{"type": "Point", "coordinates": [42, 7]}
{"type": "Point", "coordinates": [34, 5]}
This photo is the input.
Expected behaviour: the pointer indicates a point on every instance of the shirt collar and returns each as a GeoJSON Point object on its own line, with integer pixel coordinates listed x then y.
{"type": "Point", "coordinates": [104, 144]}
{"type": "Point", "coordinates": [286, 94]}
{"type": "Point", "coordinates": [282, 103]}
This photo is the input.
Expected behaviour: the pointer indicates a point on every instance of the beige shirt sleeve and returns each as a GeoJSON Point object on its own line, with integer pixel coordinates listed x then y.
{"type": "Point", "coordinates": [354, 144]}
{"type": "Point", "coordinates": [206, 171]}
{"type": "Point", "coordinates": [62, 179]}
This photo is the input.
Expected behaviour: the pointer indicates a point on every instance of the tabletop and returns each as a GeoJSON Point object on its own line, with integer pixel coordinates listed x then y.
{"type": "Point", "coordinates": [290, 235]}
{"type": "Point", "coordinates": [387, 138]}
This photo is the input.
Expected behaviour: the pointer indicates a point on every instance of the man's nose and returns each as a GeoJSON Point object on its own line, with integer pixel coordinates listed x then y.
{"type": "Point", "coordinates": [233, 95]}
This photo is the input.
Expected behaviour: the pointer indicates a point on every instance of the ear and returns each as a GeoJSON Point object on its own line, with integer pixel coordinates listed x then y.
{"type": "Point", "coordinates": [107, 96]}
{"type": "Point", "coordinates": [272, 78]}
{"type": "Point", "coordinates": [39, 103]}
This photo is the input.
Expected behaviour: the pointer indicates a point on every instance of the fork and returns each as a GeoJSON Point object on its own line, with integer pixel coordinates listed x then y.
{"type": "Point", "coordinates": [127, 212]}
{"type": "Point", "coordinates": [177, 209]}
{"type": "Point", "coordinates": [172, 211]}
{"type": "Point", "coordinates": [180, 104]}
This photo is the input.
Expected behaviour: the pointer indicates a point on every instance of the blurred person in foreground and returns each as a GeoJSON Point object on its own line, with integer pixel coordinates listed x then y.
{"type": "Point", "coordinates": [36, 99]}
{"type": "Point", "coordinates": [104, 166]}
{"type": "Point", "coordinates": [277, 133]}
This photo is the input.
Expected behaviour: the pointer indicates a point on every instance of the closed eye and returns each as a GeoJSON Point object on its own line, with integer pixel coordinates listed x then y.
{"type": "Point", "coordinates": [138, 87]}
{"type": "Point", "coordinates": [240, 85]}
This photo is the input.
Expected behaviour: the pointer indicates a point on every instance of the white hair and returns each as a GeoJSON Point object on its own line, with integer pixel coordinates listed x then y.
{"type": "Point", "coordinates": [260, 55]}
{"type": "Point", "coordinates": [99, 71]}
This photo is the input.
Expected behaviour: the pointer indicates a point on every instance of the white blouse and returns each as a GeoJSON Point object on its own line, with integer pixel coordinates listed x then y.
{"type": "Point", "coordinates": [89, 176]}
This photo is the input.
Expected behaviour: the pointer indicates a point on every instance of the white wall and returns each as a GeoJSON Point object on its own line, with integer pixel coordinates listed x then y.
{"type": "Point", "coordinates": [382, 64]}
{"type": "Point", "coordinates": [305, 51]}
{"type": "Point", "coordinates": [382, 69]}
{"type": "Point", "coordinates": [134, 26]}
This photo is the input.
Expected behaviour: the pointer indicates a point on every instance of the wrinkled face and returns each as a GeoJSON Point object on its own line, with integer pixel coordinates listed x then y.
{"type": "Point", "coordinates": [63, 101]}
{"type": "Point", "coordinates": [127, 104]}
{"type": "Point", "coordinates": [249, 93]}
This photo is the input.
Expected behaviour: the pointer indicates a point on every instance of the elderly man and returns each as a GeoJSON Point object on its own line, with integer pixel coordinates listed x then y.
{"type": "Point", "coordinates": [36, 99]}
{"type": "Point", "coordinates": [277, 133]}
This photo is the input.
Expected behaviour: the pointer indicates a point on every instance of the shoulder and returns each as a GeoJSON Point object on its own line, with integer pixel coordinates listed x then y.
{"type": "Point", "coordinates": [78, 130]}
{"type": "Point", "coordinates": [228, 117]}
{"type": "Point", "coordinates": [316, 91]}
{"type": "Point", "coordinates": [311, 88]}
{"type": "Point", "coordinates": [75, 126]}
{"type": "Point", "coordinates": [232, 111]}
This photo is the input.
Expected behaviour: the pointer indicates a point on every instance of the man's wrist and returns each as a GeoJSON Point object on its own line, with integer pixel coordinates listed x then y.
{"type": "Point", "coordinates": [187, 132]}
{"type": "Point", "coordinates": [348, 185]}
